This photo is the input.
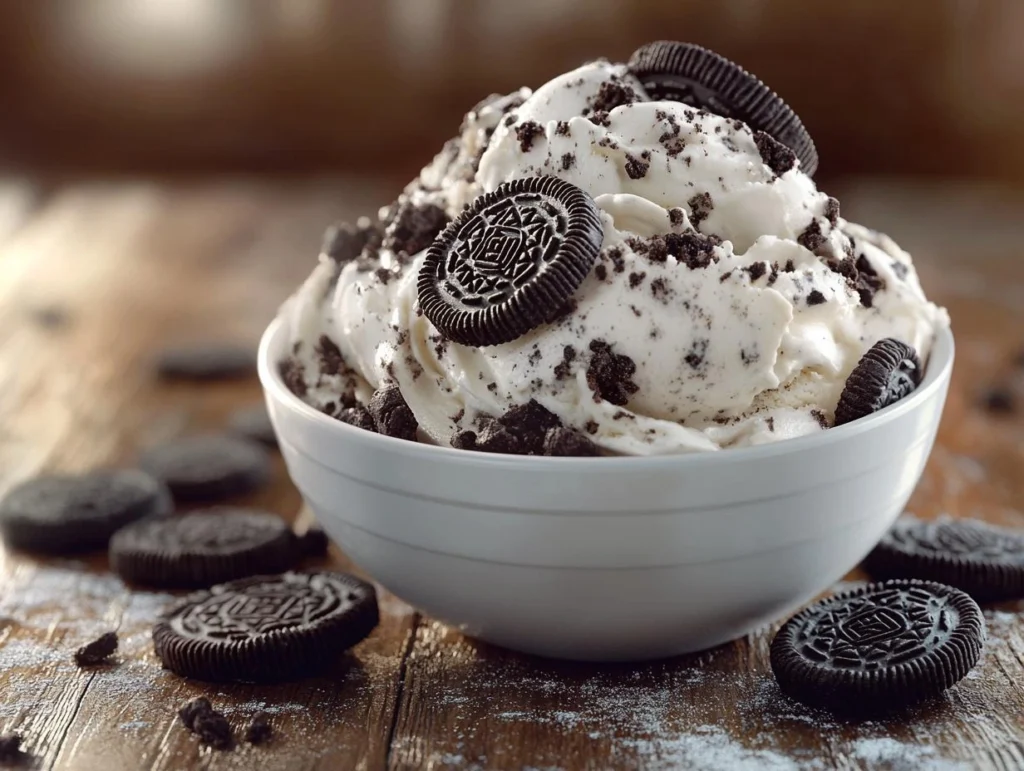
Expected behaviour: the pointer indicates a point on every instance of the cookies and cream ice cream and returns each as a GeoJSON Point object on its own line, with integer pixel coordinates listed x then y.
{"type": "Point", "coordinates": [726, 304]}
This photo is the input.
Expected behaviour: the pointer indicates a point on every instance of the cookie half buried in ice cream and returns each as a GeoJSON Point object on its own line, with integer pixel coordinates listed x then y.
{"type": "Point", "coordinates": [718, 299]}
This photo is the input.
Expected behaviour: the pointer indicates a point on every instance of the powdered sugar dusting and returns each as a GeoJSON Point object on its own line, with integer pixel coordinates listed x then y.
{"type": "Point", "coordinates": [884, 752]}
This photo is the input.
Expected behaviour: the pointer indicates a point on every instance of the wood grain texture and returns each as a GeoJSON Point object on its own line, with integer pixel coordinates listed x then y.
{"type": "Point", "coordinates": [131, 267]}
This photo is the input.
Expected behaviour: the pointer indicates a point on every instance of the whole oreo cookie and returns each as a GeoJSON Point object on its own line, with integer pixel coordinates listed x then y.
{"type": "Point", "coordinates": [67, 514]}
{"type": "Point", "coordinates": [985, 561]}
{"type": "Point", "coordinates": [208, 467]}
{"type": "Point", "coordinates": [879, 647]}
{"type": "Point", "coordinates": [203, 548]}
{"type": "Point", "coordinates": [266, 628]}
{"type": "Point", "coordinates": [253, 423]}
{"type": "Point", "coordinates": [889, 371]}
{"type": "Point", "coordinates": [688, 73]}
{"type": "Point", "coordinates": [510, 262]}
{"type": "Point", "coordinates": [206, 361]}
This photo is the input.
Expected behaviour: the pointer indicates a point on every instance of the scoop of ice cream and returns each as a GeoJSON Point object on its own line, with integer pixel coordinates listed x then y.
{"type": "Point", "coordinates": [727, 306]}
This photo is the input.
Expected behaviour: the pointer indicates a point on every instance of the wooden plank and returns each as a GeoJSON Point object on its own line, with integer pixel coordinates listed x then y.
{"type": "Point", "coordinates": [133, 267]}
{"type": "Point", "coordinates": [468, 705]}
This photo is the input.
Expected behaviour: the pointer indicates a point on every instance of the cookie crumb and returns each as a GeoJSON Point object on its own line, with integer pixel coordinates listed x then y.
{"type": "Point", "coordinates": [563, 369]}
{"type": "Point", "coordinates": [98, 651]}
{"type": "Point", "coordinates": [815, 297]}
{"type": "Point", "coordinates": [357, 416]}
{"type": "Point", "coordinates": [776, 156]}
{"type": "Point", "coordinates": [812, 239]}
{"type": "Point", "coordinates": [413, 227]}
{"type": "Point", "coordinates": [609, 374]}
{"type": "Point", "coordinates": [635, 167]}
{"type": "Point", "coordinates": [10, 748]}
{"type": "Point", "coordinates": [260, 730]}
{"type": "Point", "coordinates": [391, 415]}
{"type": "Point", "coordinates": [526, 133]}
{"type": "Point", "coordinates": [757, 270]}
{"type": "Point", "coordinates": [701, 205]}
{"type": "Point", "coordinates": [832, 211]}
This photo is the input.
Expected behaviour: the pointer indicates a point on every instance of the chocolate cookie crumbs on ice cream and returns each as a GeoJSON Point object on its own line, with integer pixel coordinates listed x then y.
{"type": "Point", "coordinates": [661, 210]}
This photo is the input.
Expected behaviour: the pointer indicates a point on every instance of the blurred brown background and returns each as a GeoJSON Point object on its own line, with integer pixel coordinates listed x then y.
{"type": "Point", "coordinates": [917, 86]}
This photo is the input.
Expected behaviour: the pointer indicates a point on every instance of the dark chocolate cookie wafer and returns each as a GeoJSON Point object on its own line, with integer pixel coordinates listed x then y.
{"type": "Point", "coordinates": [511, 261]}
{"type": "Point", "coordinates": [688, 73]}
{"type": "Point", "coordinates": [889, 371]}
{"type": "Point", "coordinates": [203, 548]}
{"type": "Point", "coordinates": [879, 647]}
{"type": "Point", "coordinates": [208, 467]}
{"type": "Point", "coordinates": [253, 423]}
{"type": "Point", "coordinates": [206, 361]}
{"type": "Point", "coordinates": [266, 628]}
{"type": "Point", "coordinates": [67, 514]}
{"type": "Point", "coordinates": [981, 559]}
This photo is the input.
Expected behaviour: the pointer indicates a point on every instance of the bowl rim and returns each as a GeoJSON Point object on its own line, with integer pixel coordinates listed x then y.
{"type": "Point", "coordinates": [937, 374]}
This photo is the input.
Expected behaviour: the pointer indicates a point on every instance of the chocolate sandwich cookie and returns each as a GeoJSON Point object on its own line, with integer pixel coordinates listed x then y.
{"type": "Point", "coordinates": [688, 73]}
{"type": "Point", "coordinates": [206, 361]}
{"type": "Point", "coordinates": [510, 262]}
{"type": "Point", "coordinates": [208, 467]}
{"type": "Point", "coordinates": [267, 628]}
{"type": "Point", "coordinates": [203, 548]}
{"type": "Point", "coordinates": [985, 561]}
{"type": "Point", "coordinates": [880, 647]}
{"type": "Point", "coordinates": [253, 423]}
{"type": "Point", "coordinates": [68, 514]}
{"type": "Point", "coordinates": [889, 371]}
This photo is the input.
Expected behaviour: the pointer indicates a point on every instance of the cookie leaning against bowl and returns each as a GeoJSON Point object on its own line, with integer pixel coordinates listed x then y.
{"type": "Point", "coordinates": [689, 73]}
{"type": "Point", "coordinates": [888, 372]}
{"type": "Point", "coordinates": [981, 559]}
{"type": "Point", "coordinates": [203, 548]}
{"type": "Point", "coordinates": [67, 514]}
{"type": "Point", "coordinates": [510, 262]}
{"type": "Point", "coordinates": [266, 628]}
{"type": "Point", "coordinates": [880, 647]}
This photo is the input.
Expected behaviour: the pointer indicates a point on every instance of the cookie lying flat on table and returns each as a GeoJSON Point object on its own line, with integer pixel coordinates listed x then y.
{"type": "Point", "coordinates": [879, 647]}
{"type": "Point", "coordinates": [206, 361]}
{"type": "Point", "coordinates": [267, 628]}
{"type": "Point", "coordinates": [981, 559]}
{"type": "Point", "coordinates": [68, 514]}
{"type": "Point", "coordinates": [253, 423]}
{"type": "Point", "coordinates": [203, 548]}
{"type": "Point", "coordinates": [208, 467]}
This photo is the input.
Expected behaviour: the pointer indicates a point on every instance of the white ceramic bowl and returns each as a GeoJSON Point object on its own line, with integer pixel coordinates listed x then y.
{"type": "Point", "coordinates": [608, 559]}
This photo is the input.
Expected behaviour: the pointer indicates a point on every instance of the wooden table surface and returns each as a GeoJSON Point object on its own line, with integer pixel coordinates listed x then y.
{"type": "Point", "coordinates": [95, 277]}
